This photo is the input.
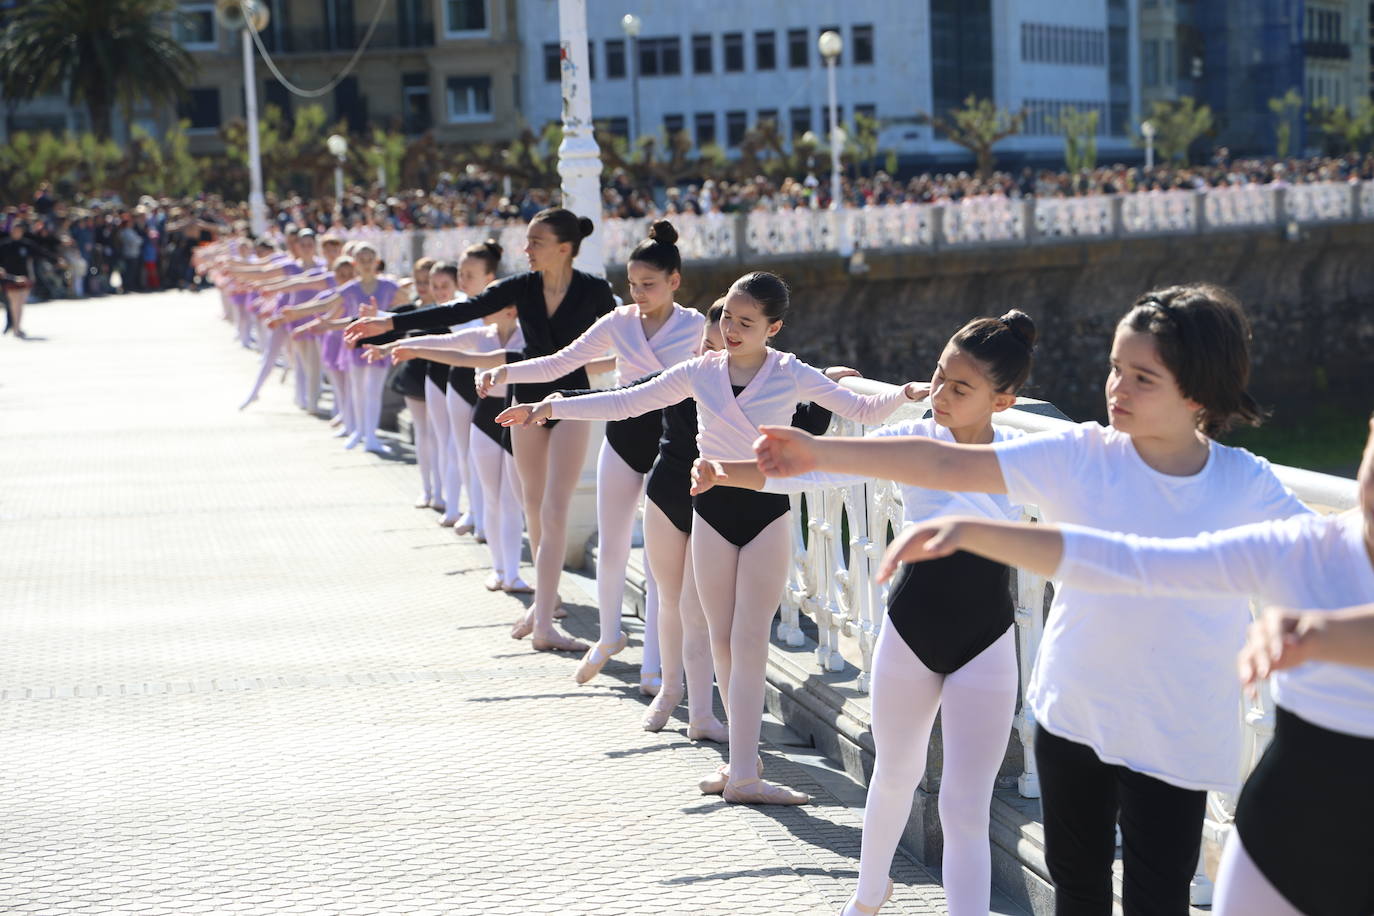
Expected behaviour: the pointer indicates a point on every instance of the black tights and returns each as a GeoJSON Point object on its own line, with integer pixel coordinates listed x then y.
{"type": "Point", "coordinates": [1161, 833]}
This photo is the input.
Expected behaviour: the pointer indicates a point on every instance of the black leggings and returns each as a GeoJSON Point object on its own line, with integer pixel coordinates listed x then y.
{"type": "Point", "coordinates": [1161, 833]}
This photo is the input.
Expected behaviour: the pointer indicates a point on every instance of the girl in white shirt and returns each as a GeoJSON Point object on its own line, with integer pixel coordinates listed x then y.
{"type": "Point", "coordinates": [647, 336]}
{"type": "Point", "coordinates": [1302, 842]}
{"type": "Point", "coordinates": [1133, 697]}
{"type": "Point", "coordinates": [741, 541]}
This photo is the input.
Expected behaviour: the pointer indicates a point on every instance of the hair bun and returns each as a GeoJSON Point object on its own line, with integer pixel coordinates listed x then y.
{"type": "Point", "coordinates": [494, 247]}
{"type": "Point", "coordinates": [663, 232]}
{"type": "Point", "coordinates": [1021, 326]}
{"type": "Point", "coordinates": [585, 225]}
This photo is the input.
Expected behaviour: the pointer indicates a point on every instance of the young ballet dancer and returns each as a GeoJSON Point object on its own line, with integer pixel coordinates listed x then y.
{"type": "Point", "coordinates": [1133, 697]}
{"type": "Point", "coordinates": [301, 257]}
{"type": "Point", "coordinates": [741, 540]}
{"type": "Point", "coordinates": [489, 451]}
{"type": "Point", "coordinates": [948, 643]}
{"type": "Point", "coordinates": [1301, 843]}
{"type": "Point", "coordinates": [555, 304]}
{"type": "Point", "coordinates": [648, 335]}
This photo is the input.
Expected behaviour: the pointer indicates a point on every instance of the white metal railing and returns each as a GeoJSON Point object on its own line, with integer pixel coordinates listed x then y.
{"type": "Point", "coordinates": [991, 220]}
{"type": "Point", "coordinates": [843, 599]}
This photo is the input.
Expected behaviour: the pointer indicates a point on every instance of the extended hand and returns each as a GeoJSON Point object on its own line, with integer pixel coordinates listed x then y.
{"type": "Point", "coordinates": [917, 543]}
{"type": "Point", "coordinates": [706, 474]}
{"type": "Point", "coordinates": [784, 451]}
{"type": "Point", "coordinates": [835, 373]}
{"type": "Point", "coordinates": [489, 379]}
{"type": "Point", "coordinates": [917, 391]}
{"type": "Point", "coordinates": [1279, 639]}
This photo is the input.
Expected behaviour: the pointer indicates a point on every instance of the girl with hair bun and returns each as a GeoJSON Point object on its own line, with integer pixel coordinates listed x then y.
{"type": "Point", "coordinates": [646, 336]}
{"type": "Point", "coordinates": [555, 303]}
{"type": "Point", "coordinates": [741, 540]}
{"type": "Point", "coordinates": [1134, 698]}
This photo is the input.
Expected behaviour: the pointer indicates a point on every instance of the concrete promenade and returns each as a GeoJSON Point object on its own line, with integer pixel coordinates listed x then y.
{"type": "Point", "coordinates": [240, 674]}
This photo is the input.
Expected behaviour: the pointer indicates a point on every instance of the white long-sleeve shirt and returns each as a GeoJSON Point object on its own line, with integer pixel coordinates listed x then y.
{"type": "Point", "coordinates": [620, 332]}
{"type": "Point", "coordinates": [1308, 563]}
{"type": "Point", "coordinates": [728, 425]}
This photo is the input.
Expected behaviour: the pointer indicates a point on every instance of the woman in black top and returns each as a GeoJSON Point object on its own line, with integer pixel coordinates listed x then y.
{"type": "Point", "coordinates": [16, 272]}
{"type": "Point", "coordinates": [555, 304]}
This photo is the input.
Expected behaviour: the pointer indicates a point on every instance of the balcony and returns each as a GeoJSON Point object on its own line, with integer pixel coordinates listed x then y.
{"type": "Point", "coordinates": [389, 36]}
{"type": "Point", "coordinates": [1330, 50]}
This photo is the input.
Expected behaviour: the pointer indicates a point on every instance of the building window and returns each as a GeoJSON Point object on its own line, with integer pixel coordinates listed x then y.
{"type": "Point", "coordinates": [195, 27]}
{"type": "Point", "coordinates": [734, 52]}
{"type": "Point", "coordinates": [801, 120]}
{"type": "Point", "coordinates": [702, 55]}
{"type": "Point", "coordinates": [1055, 44]}
{"type": "Point", "coordinates": [767, 116]}
{"type": "Point", "coordinates": [736, 124]}
{"type": "Point", "coordinates": [591, 60]}
{"type": "Point", "coordinates": [863, 44]}
{"type": "Point", "coordinates": [553, 62]}
{"type": "Point", "coordinates": [839, 58]}
{"type": "Point", "coordinates": [798, 49]}
{"type": "Point", "coordinates": [660, 56]}
{"type": "Point", "coordinates": [673, 124]}
{"type": "Point", "coordinates": [415, 117]}
{"type": "Point", "coordinates": [766, 50]}
{"type": "Point", "coordinates": [617, 127]}
{"type": "Point", "coordinates": [201, 108]}
{"type": "Point", "coordinates": [615, 58]}
{"type": "Point", "coordinates": [1149, 63]}
{"type": "Point", "coordinates": [469, 98]}
{"type": "Point", "coordinates": [868, 111]}
{"type": "Point", "coordinates": [465, 16]}
{"type": "Point", "coordinates": [705, 122]}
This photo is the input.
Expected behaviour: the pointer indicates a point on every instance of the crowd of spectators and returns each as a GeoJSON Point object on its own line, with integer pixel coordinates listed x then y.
{"type": "Point", "coordinates": [94, 246]}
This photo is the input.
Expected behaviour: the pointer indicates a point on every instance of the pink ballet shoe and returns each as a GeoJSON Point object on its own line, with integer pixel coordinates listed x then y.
{"type": "Point", "coordinates": [661, 710]}
{"type": "Point", "coordinates": [493, 583]}
{"type": "Point", "coordinates": [422, 502]}
{"type": "Point", "coordinates": [650, 683]}
{"type": "Point", "coordinates": [708, 728]}
{"type": "Point", "coordinates": [597, 656]}
{"type": "Point", "coordinates": [757, 792]}
{"type": "Point", "coordinates": [559, 611]}
{"type": "Point", "coordinates": [715, 783]}
{"type": "Point", "coordinates": [519, 586]}
{"type": "Point", "coordinates": [864, 908]}
{"type": "Point", "coordinates": [558, 643]}
{"type": "Point", "coordinates": [523, 627]}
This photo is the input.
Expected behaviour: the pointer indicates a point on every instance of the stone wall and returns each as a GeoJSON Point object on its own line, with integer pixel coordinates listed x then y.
{"type": "Point", "coordinates": [1310, 299]}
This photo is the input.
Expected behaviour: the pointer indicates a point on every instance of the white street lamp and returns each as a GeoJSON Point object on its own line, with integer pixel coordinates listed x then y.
{"type": "Point", "coordinates": [831, 44]}
{"type": "Point", "coordinates": [1147, 130]}
{"type": "Point", "coordinates": [579, 158]}
{"type": "Point", "coordinates": [249, 16]}
{"type": "Point", "coordinates": [632, 25]}
{"type": "Point", "coordinates": [338, 148]}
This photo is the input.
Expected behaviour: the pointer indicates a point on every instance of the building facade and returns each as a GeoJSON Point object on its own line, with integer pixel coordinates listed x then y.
{"type": "Point", "coordinates": [692, 69]}
{"type": "Point", "coordinates": [444, 65]}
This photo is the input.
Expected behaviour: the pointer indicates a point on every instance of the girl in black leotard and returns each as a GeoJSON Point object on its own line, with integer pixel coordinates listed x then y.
{"type": "Point", "coordinates": [556, 303]}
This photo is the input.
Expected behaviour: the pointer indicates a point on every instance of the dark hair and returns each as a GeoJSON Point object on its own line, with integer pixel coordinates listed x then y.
{"type": "Point", "coordinates": [1203, 338]}
{"type": "Point", "coordinates": [445, 267]}
{"type": "Point", "coordinates": [567, 226]}
{"type": "Point", "coordinates": [768, 290]}
{"type": "Point", "coordinates": [1003, 346]}
{"type": "Point", "coordinates": [488, 252]}
{"type": "Point", "coordinates": [715, 311]}
{"type": "Point", "coordinates": [659, 250]}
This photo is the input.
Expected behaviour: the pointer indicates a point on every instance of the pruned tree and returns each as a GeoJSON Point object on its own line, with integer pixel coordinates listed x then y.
{"type": "Point", "coordinates": [978, 127]}
{"type": "Point", "coordinates": [1345, 129]}
{"type": "Point", "coordinates": [1287, 108]}
{"type": "Point", "coordinates": [1080, 139]}
{"type": "Point", "coordinates": [1177, 125]}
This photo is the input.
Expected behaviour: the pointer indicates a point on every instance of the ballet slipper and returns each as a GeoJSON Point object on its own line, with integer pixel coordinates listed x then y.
{"type": "Point", "coordinates": [250, 400]}
{"type": "Point", "coordinates": [661, 709]}
{"type": "Point", "coordinates": [479, 537]}
{"type": "Point", "coordinates": [523, 627]}
{"type": "Point", "coordinates": [422, 502]}
{"type": "Point", "coordinates": [597, 656]}
{"type": "Point", "coordinates": [715, 783]}
{"type": "Point", "coordinates": [447, 522]}
{"type": "Point", "coordinates": [559, 611]}
{"type": "Point", "coordinates": [863, 908]}
{"type": "Point", "coordinates": [493, 583]}
{"type": "Point", "coordinates": [376, 447]}
{"type": "Point", "coordinates": [461, 530]}
{"type": "Point", "coordinates": [757, 792]}
{"type": "Point", "coordinates": [558, 643]}
{"type": "Point", "coordinates": [336, 421]}
{"type": "Point", "coordinates": [650, 683]}
{"type": "Point", "coordinates": [437, 505]}
{"type": "Point", "coordinates": [708, 728]}
{"type": "Point", "coordinates": [519, 586]}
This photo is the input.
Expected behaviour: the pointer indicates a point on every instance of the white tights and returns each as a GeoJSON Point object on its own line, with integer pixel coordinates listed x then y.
{"type": "Point", "coordinates": [368, 382]}
{"type": "Point", "coordinates": [683, 638]}
{"type": "Point", "coordinates": [979, 703]}
{"type": "Point", "coordinates": [740, 588]}
{"type": "Point", "coordinates": [495, 470]}
{"type": "Point", "coordinates": [436, 411]}
{"type": "Point", "coordinates": [343, 400]}
{"type": "Point", "coordinates": [305, 364]}
{"type": "Point", "coordinates": [424, 448]}
{"type": "Point", "coordinates": [459, 476]}
{"type": "Point", "coordinates": [619, 490]}
{"type": "Point", "coordinates": [1242, 889]}
{"type": "Point", "coordinates": [271, 348]}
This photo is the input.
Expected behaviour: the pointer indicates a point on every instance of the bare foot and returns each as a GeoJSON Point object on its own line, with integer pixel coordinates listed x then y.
{"type": "Point", "coordinates": [557, 642]}
{"type": "Point", "coordinates": [523, 627]}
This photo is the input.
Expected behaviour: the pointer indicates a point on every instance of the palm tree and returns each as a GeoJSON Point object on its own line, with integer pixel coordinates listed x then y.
{"type": "Point", "coordinates": [102, 52]}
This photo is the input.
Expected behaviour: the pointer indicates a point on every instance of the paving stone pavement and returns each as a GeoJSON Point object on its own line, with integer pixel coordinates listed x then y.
{"type": "Point", "coordinates": [241, 675]}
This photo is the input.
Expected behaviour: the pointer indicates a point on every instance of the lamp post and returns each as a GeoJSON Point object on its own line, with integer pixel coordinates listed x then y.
{"type": "Point", "coordinates": [338, 148]}
{"type": "Point", "coordinates": [632, 25]}
{"type": "Point", "coordinates": [247, 17]}
{"type": "Point", "coordinates": [579, 158]}
{"type": "Point", "coordinates": [1147, 130]}
{"type": "Point", "coordinates": [831, 44]}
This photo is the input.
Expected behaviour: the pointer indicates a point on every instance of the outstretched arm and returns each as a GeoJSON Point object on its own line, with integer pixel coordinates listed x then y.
{"type": "Point", "coordinates": [469, 359]}
{"type": "Point", "coordinates": [1038, 548]}
{"type": "Point", "coordinates": [1283, 638]}
{"type": "Point", "coordinates": [783, 451]}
